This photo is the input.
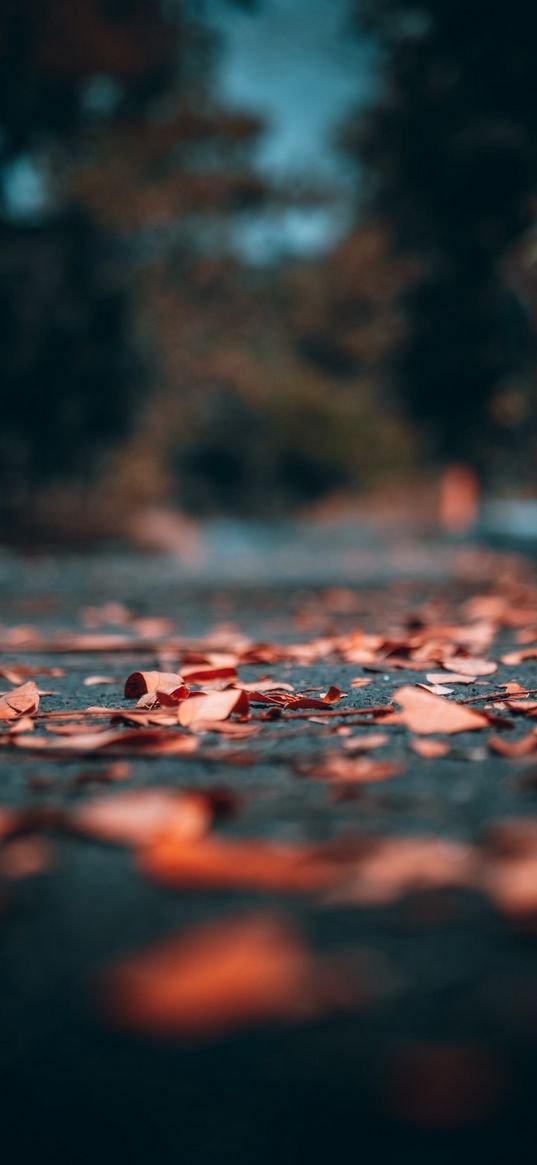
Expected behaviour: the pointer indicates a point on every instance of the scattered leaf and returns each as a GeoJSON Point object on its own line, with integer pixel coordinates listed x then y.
{"type": "Point", "coordinates": [429, 748]}
{"type": "Point", "coordinates": [136, 817]}
{"type": "Point", "coordinates": [427, 714]}
{"type": "Point", "coordinates": [139, 683]}
{"type": "Point", "coordinates": [213, 706]}
{"type": "Point", "coordinates": [23, 701]}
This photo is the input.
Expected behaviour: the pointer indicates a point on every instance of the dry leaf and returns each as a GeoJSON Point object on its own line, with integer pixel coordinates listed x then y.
{"type": "Point", "coordinates": [24, 857]}
{"type": "Point", "coordinates": [393, 866]}
{"type": "Point", "coordinates": [226, 862]}
{"type": "Point", "coordinates": [429, 748]}
{"type": "Point", "coordinates": [363, 743]}
{"type": "Point", "coordinates": [213, 706]}
{"type": "Point", "coordinates": [138, 683]}
{"type": "Point", "coordinates": [137, 817]}
{"type": "Point", "coordinates": [23, 701]}
{"type": "Point", "coordinates": [199, 674]}
{"type": "Point", "coordinates": [515, 657]}
{"type": "Point", "coordinates": [427, 714]}
{"type": "Point", "coordinates": [469, 667]}
{"type": "Point", "coordinates": [514, 748]}
{"type": "Point", "coordinates": [146, 741]}
{"type": "Point", "coordinates": [345, 770]}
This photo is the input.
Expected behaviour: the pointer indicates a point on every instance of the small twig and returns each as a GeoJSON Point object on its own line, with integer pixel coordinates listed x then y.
{"type": "Point", "coordinates": [500, 696]}
{"type": "Point", "coordinates": [378, 710]}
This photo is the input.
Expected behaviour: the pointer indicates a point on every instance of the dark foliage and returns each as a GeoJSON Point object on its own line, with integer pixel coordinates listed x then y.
{"type": "Point", "coordinates": [450, 151]}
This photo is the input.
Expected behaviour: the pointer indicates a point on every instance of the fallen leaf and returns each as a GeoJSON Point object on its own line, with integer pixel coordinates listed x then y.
{"type": "Point", "coordinates": [138, 683]}
{"type": "Point", "coordinates": [22, 701]}
{"type": "Point", "coordinates": [469, 667]}
{"type": "Point", "coordinates": [238, 730]}
{"type": "Point", "coordinates": [136, 817]}
{"type": "Point", "coordinates": [220, 863]}
{"type": "Point", "coordinates": [220, 977]}
{"type": "Point", "coordinates": [524, 707]}
{"type": "Point", "coordinates": [429, 748]}
{"type": "Point", "coordinates": [198, 674]}
{"type": "Point", "coordinates": [515, 657]}
{"type": "Point", "coordinates": [331, 697]}
{"type": "Point", "coordinates": [436, 689]}
{"type": "Point", "coordinates": [23, 857]}
{"type": "Point", "coordinates": [393, 866]}
{"type": "Point", "coordinates": [514, 748]}
{"type": "Point", "coordinates": [363, 743]}
{"type": "Point", "coordinates": [146, 741]}
{"type": "Point", "coordinates": [427, 714]}
{"type": "Point", "coordinates": [23, 724]}
{"type": "Point", "coordinates": [212, 706]}
{"type": "Point", "coordinates": [345, 770]}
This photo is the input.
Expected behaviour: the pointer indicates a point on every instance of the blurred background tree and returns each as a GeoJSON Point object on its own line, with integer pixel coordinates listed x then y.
{"type": "Point", "coordinates": [114, 164]}
{"type": "Point", "coordinates": [448, 153]}
{"type": "Point", "coordinates": [149, 358]}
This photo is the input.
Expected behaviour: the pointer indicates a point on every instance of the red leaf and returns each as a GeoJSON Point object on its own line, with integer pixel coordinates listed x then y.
{"type": "Point", "coordinates": [139, 682]}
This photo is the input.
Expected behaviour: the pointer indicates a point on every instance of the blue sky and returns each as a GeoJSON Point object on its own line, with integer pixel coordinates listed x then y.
{"type": "Point", "coordinates": [292, 61]}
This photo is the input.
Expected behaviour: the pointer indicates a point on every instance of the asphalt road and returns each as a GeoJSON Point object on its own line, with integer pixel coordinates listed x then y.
{"type": "Point", "coordinates": [452, 971]}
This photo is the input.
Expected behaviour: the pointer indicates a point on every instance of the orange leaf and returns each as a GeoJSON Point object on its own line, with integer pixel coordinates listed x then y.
{"type": "Point", "coordinates": [469, 667]}
{"type": "Point", "coordinates": [427, 714]}
{"type": "Point", "coordinates": [219, 977]}
{"type": "Point", "coordinates": [222, 862]}
{"type": "Point", "coordinates": [514, 657]}
{"type": "Point", "coordinates": [348, 771]}
{"type": "Point", "coordinates": [21, 701]}
{"type": "Point", "coordinates": [140, 682]}
{"type": "Point", "coordinates": [393, 866]}
{"type": "Point", "coordinates": [150, 742]}
{"type": "Point", "coordinates": [514, 748]}
{"type": "Point", "coordinates": [197, 674]}
{"type": "Point", "coordinates": [136, 817]}
{"type": "Point", "coordinates": [213, 706]}
{"type": "Point", "coordinates": [430, 748]}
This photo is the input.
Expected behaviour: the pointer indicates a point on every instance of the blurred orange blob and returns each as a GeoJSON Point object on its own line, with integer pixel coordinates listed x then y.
{"type": "Point", "coordinates": [219, 977]}
{"type": "Point", "coordinates": [178, 861]}
{"type": "Point", "coordinates": [140, 815]}
{"type": "Point", "coordinates": [459, 499]}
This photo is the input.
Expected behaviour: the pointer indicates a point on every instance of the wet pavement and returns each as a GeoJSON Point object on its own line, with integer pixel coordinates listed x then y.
{"type": "Point", "coordinates": [449, 971]}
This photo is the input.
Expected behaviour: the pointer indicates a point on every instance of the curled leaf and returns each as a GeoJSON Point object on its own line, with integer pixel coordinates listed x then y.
{"type": "Point", "coordinates": [22, 701]}
{"type": "Point", "coordinates": [140, 682]}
